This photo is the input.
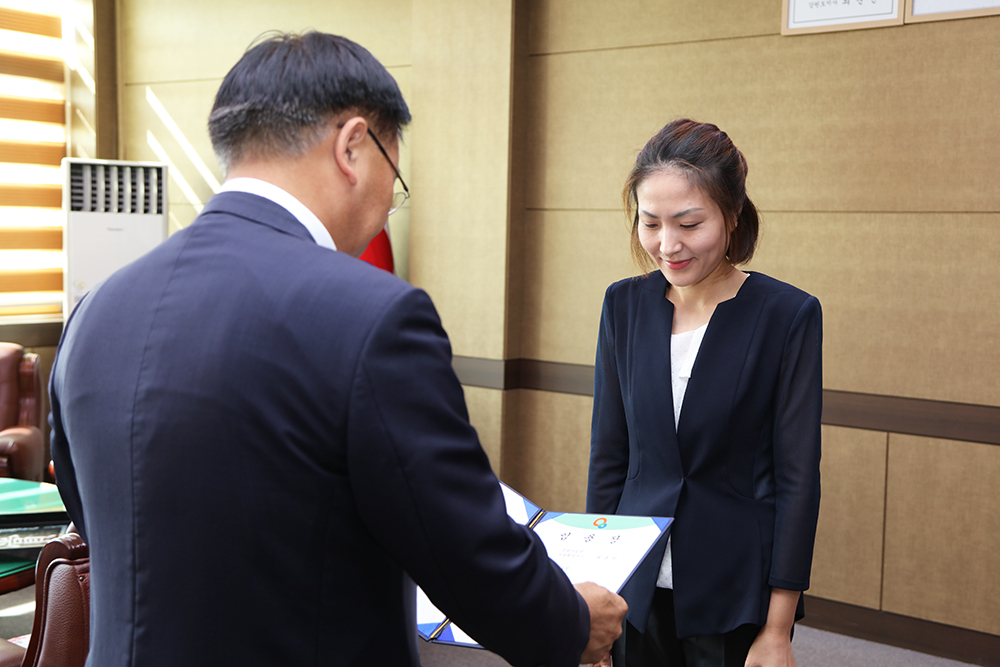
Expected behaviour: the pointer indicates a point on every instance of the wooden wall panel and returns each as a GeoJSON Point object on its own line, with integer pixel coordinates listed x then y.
{"type": "Point", "coordinates": [872, 158]}
{"type": "Point", "coordinates": [862, 120]}
{"type": "Point", "coordinates": [570, 258]}
{"type": "Point", "coordinates": [547, 448]}
{"type": "Point", "coordinates": [942, 543]}
{"type": "Point", "coordinates": [486, 414]}
{"type": "Point", "coordinates": [883, 309]}
{"type": "Point", "coordinates": [904, 298]}
{"type": "Point", "coordinates": [584, 25]}
{"type": "Point", "coordinates": [164, 42]}
{"type": "Point", "coordinates": [461, 159]}
{"type": "Point", "coordinates": [847, 563]}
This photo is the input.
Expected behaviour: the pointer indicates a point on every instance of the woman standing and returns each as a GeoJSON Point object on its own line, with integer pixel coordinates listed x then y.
{"type": "Point", "coordinates": [707, 402]}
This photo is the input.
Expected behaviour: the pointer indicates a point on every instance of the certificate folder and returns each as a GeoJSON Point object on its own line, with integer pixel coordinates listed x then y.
{"type": "Point", "coordinates": [602, 548]}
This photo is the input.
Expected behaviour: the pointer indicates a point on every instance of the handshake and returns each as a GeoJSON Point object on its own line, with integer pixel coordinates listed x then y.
{"type": "Point", "coordinates": [607, 611]}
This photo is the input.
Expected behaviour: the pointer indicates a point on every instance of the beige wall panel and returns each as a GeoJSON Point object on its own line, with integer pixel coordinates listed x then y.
{"type": "Point", "coordinates": [942, 543]}
{"type": "Point", "coordinates": [460, 141]}
{"type": "Point", "coordinates": [183, 107]}
{"type": "Point", "coordinates": [583, 25]}
{"type": "Point", "coordinates": [847, 562]}
{"type": "Point", "coordinates": [180, 215]}
{"type": "Point", "coordinates": [547, 448]}
{"type": "Point", "coordinates": [570, 258]}
{"type": "Point", "coordinates": [894, 119]}
{"type": "Point", "coordinates": [184, 40]}
{"type": "Point", "coordinates": [399, 235]}
{"type": "Point", "coordinates": [906, 298]}
{"type": "Point", "coordinates": [890, 321]}
{"type": "Point", "coordinates": [170, 109]}
{"type": "Point", "coordinates": [486, 414]}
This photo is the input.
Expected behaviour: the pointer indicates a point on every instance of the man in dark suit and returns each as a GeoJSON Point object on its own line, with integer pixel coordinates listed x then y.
{"type": "Point", "coordinates": [261, 437]}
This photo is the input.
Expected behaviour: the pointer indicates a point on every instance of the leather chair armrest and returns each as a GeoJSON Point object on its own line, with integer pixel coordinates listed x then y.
{"type": "Point", "coordinates": [23, 447]}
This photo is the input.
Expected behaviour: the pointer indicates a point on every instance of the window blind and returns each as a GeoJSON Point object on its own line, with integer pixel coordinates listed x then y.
{"type": "Point", "coordinates": [32, 144]}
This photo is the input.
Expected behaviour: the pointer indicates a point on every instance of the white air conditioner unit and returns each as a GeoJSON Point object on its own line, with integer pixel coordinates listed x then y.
{"type": "Point", "coordinates": [115, 212]}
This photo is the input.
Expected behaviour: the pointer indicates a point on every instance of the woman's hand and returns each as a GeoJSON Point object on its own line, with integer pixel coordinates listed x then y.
{"type": "Point", "coordinates": [772, 648]}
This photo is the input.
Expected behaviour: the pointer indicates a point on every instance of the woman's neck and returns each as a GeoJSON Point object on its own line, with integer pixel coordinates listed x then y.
{"type": "Point", "coordinates": [694, 304]}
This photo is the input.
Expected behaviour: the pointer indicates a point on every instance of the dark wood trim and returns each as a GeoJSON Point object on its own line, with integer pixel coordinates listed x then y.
{"type": "Point", "coordinates": [892, 414]}
{"type": "Point", "coordinates": [476, 372]}
{"type": "Point", "coordinates": [912, 416]}
{"type": "Point", "coordinates": [32, 334]}
{"type": "Point", "coordinates": [915, 634]}
{"type": "Point", "coordinates": [106, 76]}
{"type": "Point", "coordinates": [551, 376]}
{"type": "Point", "coordinates": [17, 580]}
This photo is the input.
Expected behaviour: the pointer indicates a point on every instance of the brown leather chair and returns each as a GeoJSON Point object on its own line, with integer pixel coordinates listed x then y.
{"type": "Point", "coordinates": [22, 448]}
{"type": "Point", "coordinates": [60, 633]}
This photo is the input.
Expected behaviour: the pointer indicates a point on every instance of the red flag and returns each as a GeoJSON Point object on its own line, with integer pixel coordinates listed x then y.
{"type": "Point", "coordinates": [379, 252]}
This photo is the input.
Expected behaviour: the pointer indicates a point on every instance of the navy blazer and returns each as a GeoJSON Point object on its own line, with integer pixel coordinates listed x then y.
{"type": "Point", "coordinates": [261, 439]}
{"type": "Point", "coordinates": [740, 471]}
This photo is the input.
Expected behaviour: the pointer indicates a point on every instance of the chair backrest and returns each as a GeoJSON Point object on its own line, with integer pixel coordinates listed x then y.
{"type": "Point", "coordinates": [60, 635]}
{"type": "Point", "coordinates": [10, 384]}
{"type": "Point", "coordinates": [20, 388]}
{"type": "Point", "coordinates": [30, 395]}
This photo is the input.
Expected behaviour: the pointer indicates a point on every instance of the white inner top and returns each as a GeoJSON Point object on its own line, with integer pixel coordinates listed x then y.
{"type": "Point", "coordinates": [683, 352]}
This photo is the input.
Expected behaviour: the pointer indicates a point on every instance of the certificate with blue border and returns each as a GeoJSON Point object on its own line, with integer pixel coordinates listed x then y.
{"type": "Point", "coordinates": [601, 548]}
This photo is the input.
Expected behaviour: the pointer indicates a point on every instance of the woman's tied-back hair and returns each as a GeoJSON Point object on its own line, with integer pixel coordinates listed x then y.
{"type": "Point", "coordinates": [278, 99]}
{"type": "Point", "coordinates": [712, 163]}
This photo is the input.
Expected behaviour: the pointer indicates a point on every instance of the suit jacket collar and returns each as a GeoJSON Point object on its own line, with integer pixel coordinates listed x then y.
{"type": "Point", "coordinates": [258, 210]}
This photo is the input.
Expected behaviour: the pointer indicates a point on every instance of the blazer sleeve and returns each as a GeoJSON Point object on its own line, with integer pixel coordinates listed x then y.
{"type": "Point", "coordinates": [427, 494]}
{"type": "Point", "coordinates": [797, 449]}
{"type": "Point", "coordinates": [609, 437]}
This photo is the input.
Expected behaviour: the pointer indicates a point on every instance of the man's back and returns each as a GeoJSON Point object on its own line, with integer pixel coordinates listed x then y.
{"type": "Point", "coordinates": [263, 435]}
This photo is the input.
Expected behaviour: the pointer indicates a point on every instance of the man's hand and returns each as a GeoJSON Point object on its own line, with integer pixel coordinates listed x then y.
{"type": "Point", "coordinates": [607, 611]}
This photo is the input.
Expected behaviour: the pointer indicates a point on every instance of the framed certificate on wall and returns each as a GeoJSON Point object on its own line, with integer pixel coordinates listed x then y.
{"type": "Point", "coordinates": [806, 16]}
{"type": "Point", "coordinates": [941, 10]}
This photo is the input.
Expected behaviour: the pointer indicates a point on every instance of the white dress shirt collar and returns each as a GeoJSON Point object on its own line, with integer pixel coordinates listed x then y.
{"type": "Point", "coordinates": [282, 198]}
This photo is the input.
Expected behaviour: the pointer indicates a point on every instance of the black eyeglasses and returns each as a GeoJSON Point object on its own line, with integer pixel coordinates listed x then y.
{"type": "Point", "coordinates": [398, 198]}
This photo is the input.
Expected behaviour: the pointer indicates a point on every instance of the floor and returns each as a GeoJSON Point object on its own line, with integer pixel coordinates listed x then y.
{"type": "Point", "coordinates": [17, 611]}
{"type": "Point", "coordinates": [813, 648]}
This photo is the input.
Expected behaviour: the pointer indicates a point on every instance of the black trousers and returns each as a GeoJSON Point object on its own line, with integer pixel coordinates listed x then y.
{"type": "Point", "coordinates": [660, 647]}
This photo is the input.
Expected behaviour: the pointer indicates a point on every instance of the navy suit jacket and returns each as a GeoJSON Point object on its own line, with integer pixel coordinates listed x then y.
{"type": "Point", "coordinates": [263, 441]}
{"type": "Point", "coordinates": [740, 471]}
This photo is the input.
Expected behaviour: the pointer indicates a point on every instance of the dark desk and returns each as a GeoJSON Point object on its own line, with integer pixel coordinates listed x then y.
{"type": "Point", "coordinates": [31, 514]}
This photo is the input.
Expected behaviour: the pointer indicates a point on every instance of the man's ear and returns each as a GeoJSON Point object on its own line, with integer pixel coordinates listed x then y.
{"type": "Point", "coordinates": [346, 146]}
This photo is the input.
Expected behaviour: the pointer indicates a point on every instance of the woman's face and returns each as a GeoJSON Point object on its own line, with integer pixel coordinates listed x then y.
{"type": "Point", "coordinates": [681, 228]}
